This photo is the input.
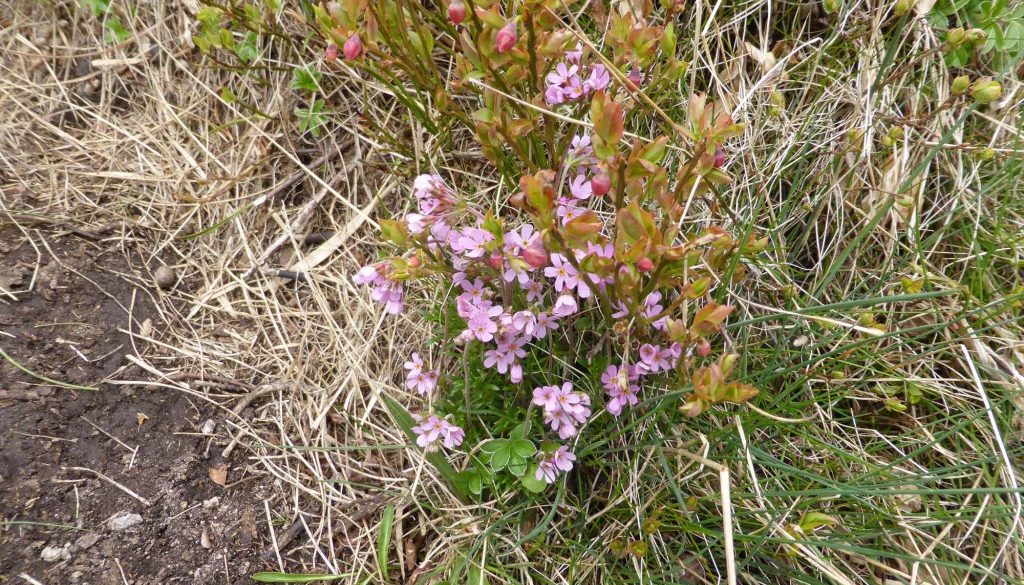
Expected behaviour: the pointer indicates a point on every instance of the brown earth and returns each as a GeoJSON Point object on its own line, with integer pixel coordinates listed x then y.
{"type": "Point", "coordinates": [69, 295]}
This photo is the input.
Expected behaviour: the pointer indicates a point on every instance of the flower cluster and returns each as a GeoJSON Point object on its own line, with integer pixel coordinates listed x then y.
{"type": "Point", "coordinates": [570, 81]}
{"type": "Point", "coordinates": [418, 379]}
{"type": "Point", "coordinates": [563, 408]}
{"type": "Point", "coordinates": [385, 290]}
{"type": "Point", "coordinates": [558, 462]}
{"type": "Point", "coordinates": [434, 430]}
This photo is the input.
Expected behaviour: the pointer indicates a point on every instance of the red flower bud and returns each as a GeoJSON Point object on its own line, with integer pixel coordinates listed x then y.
{"type": "Point", "coordinates": [601, 184]}
{"type": "Point", "coordinates": [703, 348]}
{"type": "Point", "coordinates": [719, 157]}
{"type": "Point", "coordinates": [457, 12]}
{"type": "Point", "coordinates": [353, 47]}
{"type": "Point", "coordinates": [496, 260]}
{"type": "Point", "coordinates": [506, 37]}
{"type": "Point", "coordinates": [414, 262]}
{"type": "Point", "coordinates": [535, 255]}
{"type": "Point", "coordinates": [644, 264]}
{"type": "Point", "coordinates": [332, 53]}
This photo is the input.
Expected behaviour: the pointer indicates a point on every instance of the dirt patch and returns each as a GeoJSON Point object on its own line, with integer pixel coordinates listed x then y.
{"type": "Point", "coordinates": [64, 302]}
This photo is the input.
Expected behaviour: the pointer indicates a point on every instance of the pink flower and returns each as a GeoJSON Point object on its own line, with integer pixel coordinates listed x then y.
{"type": "Point", "coordinates": [562, 271]}
{"type": "Point", "coordinates": [506, 38]}
{"type": "Point", "coordinates": [554, 95]}
{"type": "Point", "coordinates": [430, 431]}
{"type": "Point", "coordinates": [524, 322]}
{"type": "Point", "coordinates": [414, 365]}
{"type": "Point", "coordinates": [575, 55]}
{"type": "Point", "coordinates": [366, 275]}
{"type": "Point", "coordinates": [499, 358]}
{"type": "Point", "coordinates": [422, 382]}
{"type": "Point", "coordinates": [545, 396]}
{"type": "Point", "coordinates": [482, 323]}
{"type": "Point", "coordinates": [565, 305]}
{"type": "Point", "coordinates": [564, 409]}
{"type": "Point", "coordinates": [561, 75]}
{"type": "Point", "coordinates": [648, 357]}
{"type": "Point", "coordinates": [544, 324]}
{"type": "Point", "coordinates": [471, 242]}
{"type": "Point", "coordinates": [598, 79]}
{"type": "Point", "coordinates": [580, 187]}
{"type": "Point", "coordinates": [551, 466]}
{"type": "Point", "coordinates": [621, 391]}
{"type": "Point", "coordinates": [534, 290]}
{"type": "Point", "coordinates": [353, 47]}
{"type": "Point", "coordinates": [475, 289]}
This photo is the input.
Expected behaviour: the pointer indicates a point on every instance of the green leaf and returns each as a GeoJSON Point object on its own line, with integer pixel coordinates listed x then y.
{"type": "Point", "coordinates": [310, 120]}
{"type": "Point", "coordinates": [275, 577]}
{"type": "Point", "coordinates": [305, 79]}
{"type": "Point", "coordinates": [523, 448]}
{"type": "Point", "coordinates": [517, 466]}
{"type": "Point", "coordinates": [499, 459]}
{"type": "Point", "coordinates": [493, 445]}
{"type": "Point", "coordinates": [246, 50]}
{"type": "Point", "coordinates": [384, 539]}
{"type": "Point", "coordinates": [530, 481]}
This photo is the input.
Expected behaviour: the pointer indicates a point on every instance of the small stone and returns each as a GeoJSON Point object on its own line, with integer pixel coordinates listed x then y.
{"type": "Point", "coordinates": [123, 521]}
{"type": "Point", "coordinates": [86, 541]}
{"type": "Point", "coordinates": [165, 277]}
{"type": "Point", "coordinates": [212, 502]}
{"type": "Point", "coordinates": [52, 554]}
{"type": "Point", "coordinates": [208, 427]}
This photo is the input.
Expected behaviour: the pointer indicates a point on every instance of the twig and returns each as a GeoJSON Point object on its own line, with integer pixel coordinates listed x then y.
{"type": "Point", "coordinates": [301, 218]}
{"type": "Point", "coordinates": [124, 489]}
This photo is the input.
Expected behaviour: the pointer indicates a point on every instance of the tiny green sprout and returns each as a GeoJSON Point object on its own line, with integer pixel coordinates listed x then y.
{"type": "Point", "coordinates": [986, 154]}
{"type": "Point", "coordinates": [960, 85]}
{"type": "Point", "coordinates": [831, 6]}
{"type": "Point", "coordinates": [893, 404]}
{"type": "Point", "coordinates": [911, 285]}
{"type": "Point", "coordinates": [903, 6]}
{"type": "Point", "coordinates": [986, 90]}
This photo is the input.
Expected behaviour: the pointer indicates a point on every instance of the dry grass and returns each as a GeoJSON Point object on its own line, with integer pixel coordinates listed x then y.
{"type": "Point", "coordinates": [135, 135]}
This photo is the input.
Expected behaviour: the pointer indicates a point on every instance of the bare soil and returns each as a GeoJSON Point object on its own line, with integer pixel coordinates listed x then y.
{"type": "Point", "coordinates": [70, 301]}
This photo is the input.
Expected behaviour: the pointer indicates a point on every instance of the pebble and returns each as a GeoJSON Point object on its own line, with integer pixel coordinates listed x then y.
{"type": "Point", "coordinates": [207, 504]}
{"type": "Point", "coordinates": [52, 554]}
{"type": "Point", "coordinates": [165, 277]}
{"type": "Point", "coordinates": [208, 427]}
{"type": "Point", "coordinates": [86, 541]}
{"type": "Point", "coordinates": [123, 521]}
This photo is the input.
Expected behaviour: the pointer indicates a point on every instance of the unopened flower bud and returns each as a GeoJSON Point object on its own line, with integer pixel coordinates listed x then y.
{"type": "Point", "coordinates": [353, 47]}
{"type": "Point", "coordinates": [506, 37]}
{"type": "Point", "coordinates": [496, 260]}
{"type": "Point", "coordinates": [986, 91]}
{"type": "Point", "coordinates": [414, 262]}
{"type": "Point", "coordinates": [975, 36]}
{"type": "Point", "coordinates": [960, 85]}
{"type": "Point", "coordinates": [703, 348]}
{"type": "Point", "coordinates": [332, 53]}
{"type": "Point", "coordinates": [903, 6]}
{"type": "Point", "coordinates": [601, 184]}
{"type": "Point", "coordinates": [456, 12]}
{"type": "Point", "coordinates": [956, 37]}
{"type": "Point", "coordinates": [719, 157]}
{"type": "Point", "coordinates": [644, 264]}
{"type": "Point", "coordinates": [535, 255]}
